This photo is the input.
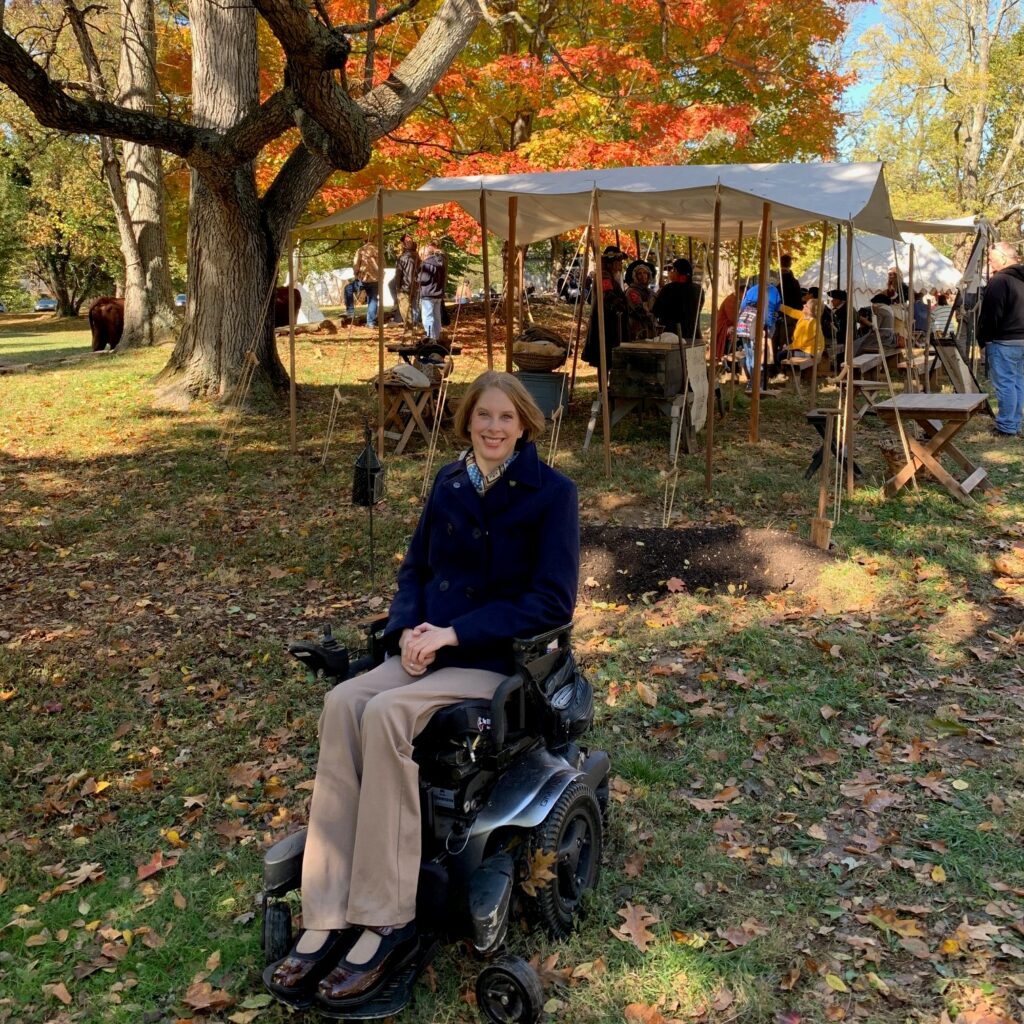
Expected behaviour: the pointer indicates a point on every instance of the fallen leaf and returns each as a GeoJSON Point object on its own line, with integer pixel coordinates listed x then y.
{"type": "Point", "coordinates": [641, 1013]}
{"type": "Point", "coordinates": [156, 863]}
{"type": "Point", "coordinates": [635, 926]}
{"type": "Point", "coordinates": [647, 694]}
{"type": "Point", "coordinates": [541, 874]}
{"type": "Point", "coordinates": [179, 901]}
{"type": "Point", "coordinates": [836, 983]}
{"type": "Point", "coordinates": [59, 991]}
{"type": "Point", "coordinates": [675, 585]}
{"type": "Point", "coordinates": [201, 995]}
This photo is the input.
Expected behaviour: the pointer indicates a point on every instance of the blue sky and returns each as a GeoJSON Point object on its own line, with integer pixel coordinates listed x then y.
{"type": "Point", "coordinates": [866, 15]}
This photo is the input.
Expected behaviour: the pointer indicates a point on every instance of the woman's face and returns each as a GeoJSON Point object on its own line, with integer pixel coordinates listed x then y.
{"type": "Point", "coordinates": [494, 428]}
{"type": "Point", "coordinates": [642, 276]}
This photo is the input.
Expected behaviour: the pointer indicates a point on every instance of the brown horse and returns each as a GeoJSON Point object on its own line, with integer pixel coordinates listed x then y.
{"type": "Point", "coordinates": [106, 321]}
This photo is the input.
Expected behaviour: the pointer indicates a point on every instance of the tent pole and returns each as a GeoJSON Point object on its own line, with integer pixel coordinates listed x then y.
{"type": "Point", "coordinates": [521, 284]}
{"type": "Point", "coordinates": [910, 326]}
{"type": "Point", "coordinates": [661, 258]}
{"type": "Point", "coordinates": [579, 310]}
{"type": "Point", "coordinates": [820, 310]}
{"type": "Point", "coordinates": [848, 361]}
{"type": "Point", "coordinates": [636, 239]}
{"type": "Point", "coordinates": [510, 277]}
{"type": "Point", "coordinates": [757, 335]}
{"type": "Point", "coordinates": [380, 329]}
{"type": "Point", "coordinates": [598, 297]}
{"type": "Point", "coordinates": [292, 403]}
{"type": "Point", "coordinates": [488, 325]}
{"type": "Point", "coordinates": [739, 299]}
{"type": "Point", "coordinates": [709, 426]}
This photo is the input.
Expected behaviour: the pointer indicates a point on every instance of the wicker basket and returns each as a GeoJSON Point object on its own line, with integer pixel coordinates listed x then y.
{"type": "Point", "coordinates": [538, 362]}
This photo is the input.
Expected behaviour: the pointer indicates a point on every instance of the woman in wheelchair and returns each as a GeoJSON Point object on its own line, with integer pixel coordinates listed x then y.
{"type": "Point", "coordinates": [495, 556]}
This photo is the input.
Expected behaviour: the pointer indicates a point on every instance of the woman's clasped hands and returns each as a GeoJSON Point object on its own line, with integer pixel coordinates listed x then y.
{"type": "Point", "coordinates": [419, 646]}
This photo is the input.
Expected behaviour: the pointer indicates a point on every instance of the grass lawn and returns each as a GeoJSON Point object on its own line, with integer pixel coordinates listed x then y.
{"type": "Point", "coordinates": [37, 337]}
{"type": "Point", "coordinates": [817, 790]}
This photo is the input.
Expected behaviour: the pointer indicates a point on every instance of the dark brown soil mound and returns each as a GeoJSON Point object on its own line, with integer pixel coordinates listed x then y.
{"type": "Point", "coordinates": [626, 561]}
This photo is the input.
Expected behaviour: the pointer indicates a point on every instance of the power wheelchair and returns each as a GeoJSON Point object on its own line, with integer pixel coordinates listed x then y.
{"type": "Point", "coordinates": [504, 784]}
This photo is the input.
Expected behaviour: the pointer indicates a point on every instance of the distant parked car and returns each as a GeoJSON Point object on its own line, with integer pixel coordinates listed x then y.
{"type": "Point", "coordinates": [3, 308]}
{"type": "Point", "coordinates": [46, 305]}
{"type": "Point", "coordinates": [180, 299]}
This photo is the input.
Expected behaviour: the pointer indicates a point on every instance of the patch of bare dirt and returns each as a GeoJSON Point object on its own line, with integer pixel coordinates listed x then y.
{"type": "Point", "coordinates": [623, 562]}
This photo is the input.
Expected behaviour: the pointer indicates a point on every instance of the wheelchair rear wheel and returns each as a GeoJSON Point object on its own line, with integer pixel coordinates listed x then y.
{"type": "Point", "coordinates": [573, 832]}
{"type": "Point", "coordinates": [509, 992]}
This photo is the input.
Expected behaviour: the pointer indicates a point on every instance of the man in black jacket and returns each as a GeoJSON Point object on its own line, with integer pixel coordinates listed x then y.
{"type": "Point", "coordinates": [1001, 334]}
{"type": "Point", "coordinates": [677, 306]}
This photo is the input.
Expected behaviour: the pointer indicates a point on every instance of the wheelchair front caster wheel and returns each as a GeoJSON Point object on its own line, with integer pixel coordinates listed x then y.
{"type": "Point", "coordinates": [509, 992]}
{"type": "Point", "coordinates": [277, 931]}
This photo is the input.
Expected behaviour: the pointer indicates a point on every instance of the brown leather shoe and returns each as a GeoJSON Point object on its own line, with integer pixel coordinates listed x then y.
{"type": "Point", "coordinates": [294, 978]}
{"type": "Point", "coordinates": [349, 982]}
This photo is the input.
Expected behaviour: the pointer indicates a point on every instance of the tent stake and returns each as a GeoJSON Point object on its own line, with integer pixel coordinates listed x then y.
{"type": "Point", "coordinates": [757, 334]}
{"type": "Point", "coordinates": [488, 326]}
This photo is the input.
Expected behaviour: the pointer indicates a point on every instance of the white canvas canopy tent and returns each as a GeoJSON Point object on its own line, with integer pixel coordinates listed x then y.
{"type": "Point", "coordinates": [682, 198]}
{"type": "Point", "coordinates": [874, 255]}
{"type": "Point", "coordinates": [702, 200]}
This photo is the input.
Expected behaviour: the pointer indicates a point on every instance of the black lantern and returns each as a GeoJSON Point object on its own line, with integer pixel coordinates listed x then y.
{"type": "Point", "coordinates": [368, 487]}
{"type": "Point", "coordinates": [369, 476]}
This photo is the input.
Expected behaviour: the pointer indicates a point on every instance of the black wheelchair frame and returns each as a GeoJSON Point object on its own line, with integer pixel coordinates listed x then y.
{"type": "Point", "coordinates": [504, 784]}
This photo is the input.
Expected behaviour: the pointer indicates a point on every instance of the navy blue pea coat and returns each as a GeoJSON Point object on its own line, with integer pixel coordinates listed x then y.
{"type": "Point", "coordinates": [495, 567]}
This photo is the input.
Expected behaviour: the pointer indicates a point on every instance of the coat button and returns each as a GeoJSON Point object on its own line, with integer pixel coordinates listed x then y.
{"type": "Point", "coordinates": [511, 483]}
{"type": "Point", "coordinates": [444, 585]}
{"type": "Point", "coordinates": [456, 485]}
{"type": "Point", "coordinates": [477, 533]}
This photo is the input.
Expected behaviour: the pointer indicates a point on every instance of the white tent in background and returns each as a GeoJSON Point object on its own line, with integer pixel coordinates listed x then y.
{"type": "Point", "coordinates": [309, 312]}
{"type": "Point", "coordinates": [875, 255]}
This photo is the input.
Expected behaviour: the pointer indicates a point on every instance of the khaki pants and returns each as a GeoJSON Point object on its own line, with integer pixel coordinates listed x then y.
{"type": "Point", "coordinates": [363, 848]}
{"type": "Point", "coordinates": [405, 308]}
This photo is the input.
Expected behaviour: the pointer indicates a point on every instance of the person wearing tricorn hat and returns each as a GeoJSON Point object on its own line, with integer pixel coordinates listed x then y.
{"type": "Point", "coordinates": [833, 325]}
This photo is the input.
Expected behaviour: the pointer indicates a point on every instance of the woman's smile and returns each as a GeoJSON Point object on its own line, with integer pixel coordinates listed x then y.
{"type": "Point", "coordinates": [494, 428]}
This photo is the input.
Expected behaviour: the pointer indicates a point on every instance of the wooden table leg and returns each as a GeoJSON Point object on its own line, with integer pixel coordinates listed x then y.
{"type": "Point", "coordinates": [976, 475]}
{"type": "Point", "coordinates": [416, 401]}
{"type": "Point", "coordinates": [929, 457]}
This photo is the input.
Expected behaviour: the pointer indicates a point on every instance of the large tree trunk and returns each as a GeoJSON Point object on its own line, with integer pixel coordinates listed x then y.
{"type": "Point", "coordinates": [233, 266]}
{"type": "Point", "coordinates": [232, 256]}
{"type": "Point", "coordinates": [148, 308]}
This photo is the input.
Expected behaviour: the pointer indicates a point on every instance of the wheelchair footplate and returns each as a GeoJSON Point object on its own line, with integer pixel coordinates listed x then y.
{"type": "Point", "coordinates": [394, 994]}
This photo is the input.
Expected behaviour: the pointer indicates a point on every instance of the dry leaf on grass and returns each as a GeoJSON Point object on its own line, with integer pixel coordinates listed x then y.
{"type": "Point", "coordinates": [641, 1013]}
{"type": "Point", "coordinates": [541, 874]}
{"type": "Point", "coordinates": [203, 997]}
{"type": "Point", "coordinates": [635, 926]}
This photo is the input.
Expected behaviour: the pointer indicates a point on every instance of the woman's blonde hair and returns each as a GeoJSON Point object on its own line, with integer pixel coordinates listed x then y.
{"type": "Point", "coordinates": [530, 416]}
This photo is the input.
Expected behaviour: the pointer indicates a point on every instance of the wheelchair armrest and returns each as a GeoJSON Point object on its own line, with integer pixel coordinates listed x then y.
{"type": "Point", "coordinates": [499, 720]}
{"type": "Point", "coordinates": [532, 654]}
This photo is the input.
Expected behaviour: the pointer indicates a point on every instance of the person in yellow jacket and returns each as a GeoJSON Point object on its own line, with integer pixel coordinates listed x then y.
{"type": "Point", "coordinates": [807, 335]}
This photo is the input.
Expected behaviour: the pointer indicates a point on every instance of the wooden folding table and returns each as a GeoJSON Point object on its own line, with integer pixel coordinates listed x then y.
{"type": "Point", "coordinates": [941, 417]}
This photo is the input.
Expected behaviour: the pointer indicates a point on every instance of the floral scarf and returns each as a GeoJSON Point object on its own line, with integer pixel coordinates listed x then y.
{"type": "Point", "coordinates": [481, 484]}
